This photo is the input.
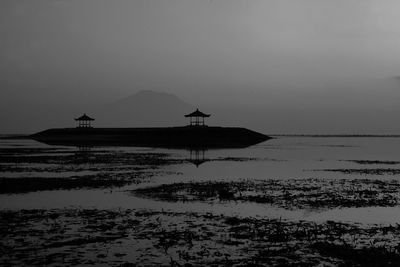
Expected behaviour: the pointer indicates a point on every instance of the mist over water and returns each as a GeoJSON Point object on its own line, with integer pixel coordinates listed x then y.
{"type": "Point", "coordinates": [275, 66]}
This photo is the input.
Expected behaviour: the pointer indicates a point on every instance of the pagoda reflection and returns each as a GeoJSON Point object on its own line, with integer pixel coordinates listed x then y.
{"type": "Point", "coordinates": [197, 156]}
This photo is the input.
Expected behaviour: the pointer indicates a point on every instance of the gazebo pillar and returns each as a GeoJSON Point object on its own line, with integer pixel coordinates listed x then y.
{"type": "Point", "coordinates": [197, 118]}
{"type": "Point", "coordinates": [84, 121]}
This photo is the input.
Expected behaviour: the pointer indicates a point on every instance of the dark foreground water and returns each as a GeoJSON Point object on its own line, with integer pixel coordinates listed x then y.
{"type": "Point", "coordinates": [290, 200]}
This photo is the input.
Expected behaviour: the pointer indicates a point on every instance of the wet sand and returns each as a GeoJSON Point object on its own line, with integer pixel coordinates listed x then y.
{"type": "Point", "coordinates": [74, 235]}
{"type": "Point", "coordinates": [146, 238]}
{"type": "Point", "coordinates": [289, 194]}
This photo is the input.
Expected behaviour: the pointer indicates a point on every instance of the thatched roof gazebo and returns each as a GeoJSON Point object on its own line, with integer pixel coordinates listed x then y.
{"type": "Point", "coordinates": [197, 118]}
{"type": "Point", "coordinates": [84, 121]}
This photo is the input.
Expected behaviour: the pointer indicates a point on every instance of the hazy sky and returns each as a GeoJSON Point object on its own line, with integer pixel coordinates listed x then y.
{"type": "Point", "coordinates": [315, 65]}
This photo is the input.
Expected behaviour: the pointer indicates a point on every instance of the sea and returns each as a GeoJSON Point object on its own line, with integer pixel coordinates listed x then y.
{"type": "Point", "coordinates": [281, 158]}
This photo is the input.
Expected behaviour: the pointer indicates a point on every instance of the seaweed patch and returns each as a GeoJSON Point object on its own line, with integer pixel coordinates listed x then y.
{"type": "Point", "coordinates": [293, 193]}
{"type": "Point", "coordinates": [74, 236]}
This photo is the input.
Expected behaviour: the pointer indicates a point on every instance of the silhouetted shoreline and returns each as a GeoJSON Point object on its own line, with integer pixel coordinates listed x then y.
{"type": "Point", "coordinates": [174, 137]}
{"type": "Point", "coordinates": [28, 136]}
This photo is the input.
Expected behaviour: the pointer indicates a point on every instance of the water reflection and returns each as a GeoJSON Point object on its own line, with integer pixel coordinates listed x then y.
{"type": "Point", "coordinates": [197, 157]}
{"type": "Point", "coordinates": [276, 159]}
{"type": "Point", "coordinates": [84, 149]}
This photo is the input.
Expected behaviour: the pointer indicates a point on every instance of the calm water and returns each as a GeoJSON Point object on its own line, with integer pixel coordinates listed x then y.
{"type": "Point", "coordinates": [280, 158]}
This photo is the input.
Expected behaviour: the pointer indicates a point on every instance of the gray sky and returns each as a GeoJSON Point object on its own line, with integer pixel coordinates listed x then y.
{"type": "Point", "coordinates": [295, 66]}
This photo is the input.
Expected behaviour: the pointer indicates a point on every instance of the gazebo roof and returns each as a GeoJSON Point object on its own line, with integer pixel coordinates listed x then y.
{"type": "Point", "coordinates": [197, 113]}
{"type": "Point", "coordinates": [84, 117]}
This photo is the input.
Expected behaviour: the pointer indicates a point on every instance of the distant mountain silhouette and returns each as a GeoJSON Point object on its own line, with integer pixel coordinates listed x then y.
{"type": "Point", "coordinates": [145, 108]}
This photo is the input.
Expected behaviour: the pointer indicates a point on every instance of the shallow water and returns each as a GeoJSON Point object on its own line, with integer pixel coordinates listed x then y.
{"type": "Point", "coordinates": [279, 158]}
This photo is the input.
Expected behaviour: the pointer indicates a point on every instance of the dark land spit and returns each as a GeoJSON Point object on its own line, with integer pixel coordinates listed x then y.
{"type": "Point", "coordinates": [65, 237]}
{"type": "Point", "coordinates": [173, 137]}
{"type": "Point", "coordinates": [290, 194]}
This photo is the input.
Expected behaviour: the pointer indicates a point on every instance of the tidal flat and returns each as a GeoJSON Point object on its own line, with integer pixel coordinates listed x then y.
{"type": "Point", "coordinates": [146, 238]}
{"type": "Point", "coordinates": [260, 206]}
{"type": "Point", "coordinates": [289, 194]}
